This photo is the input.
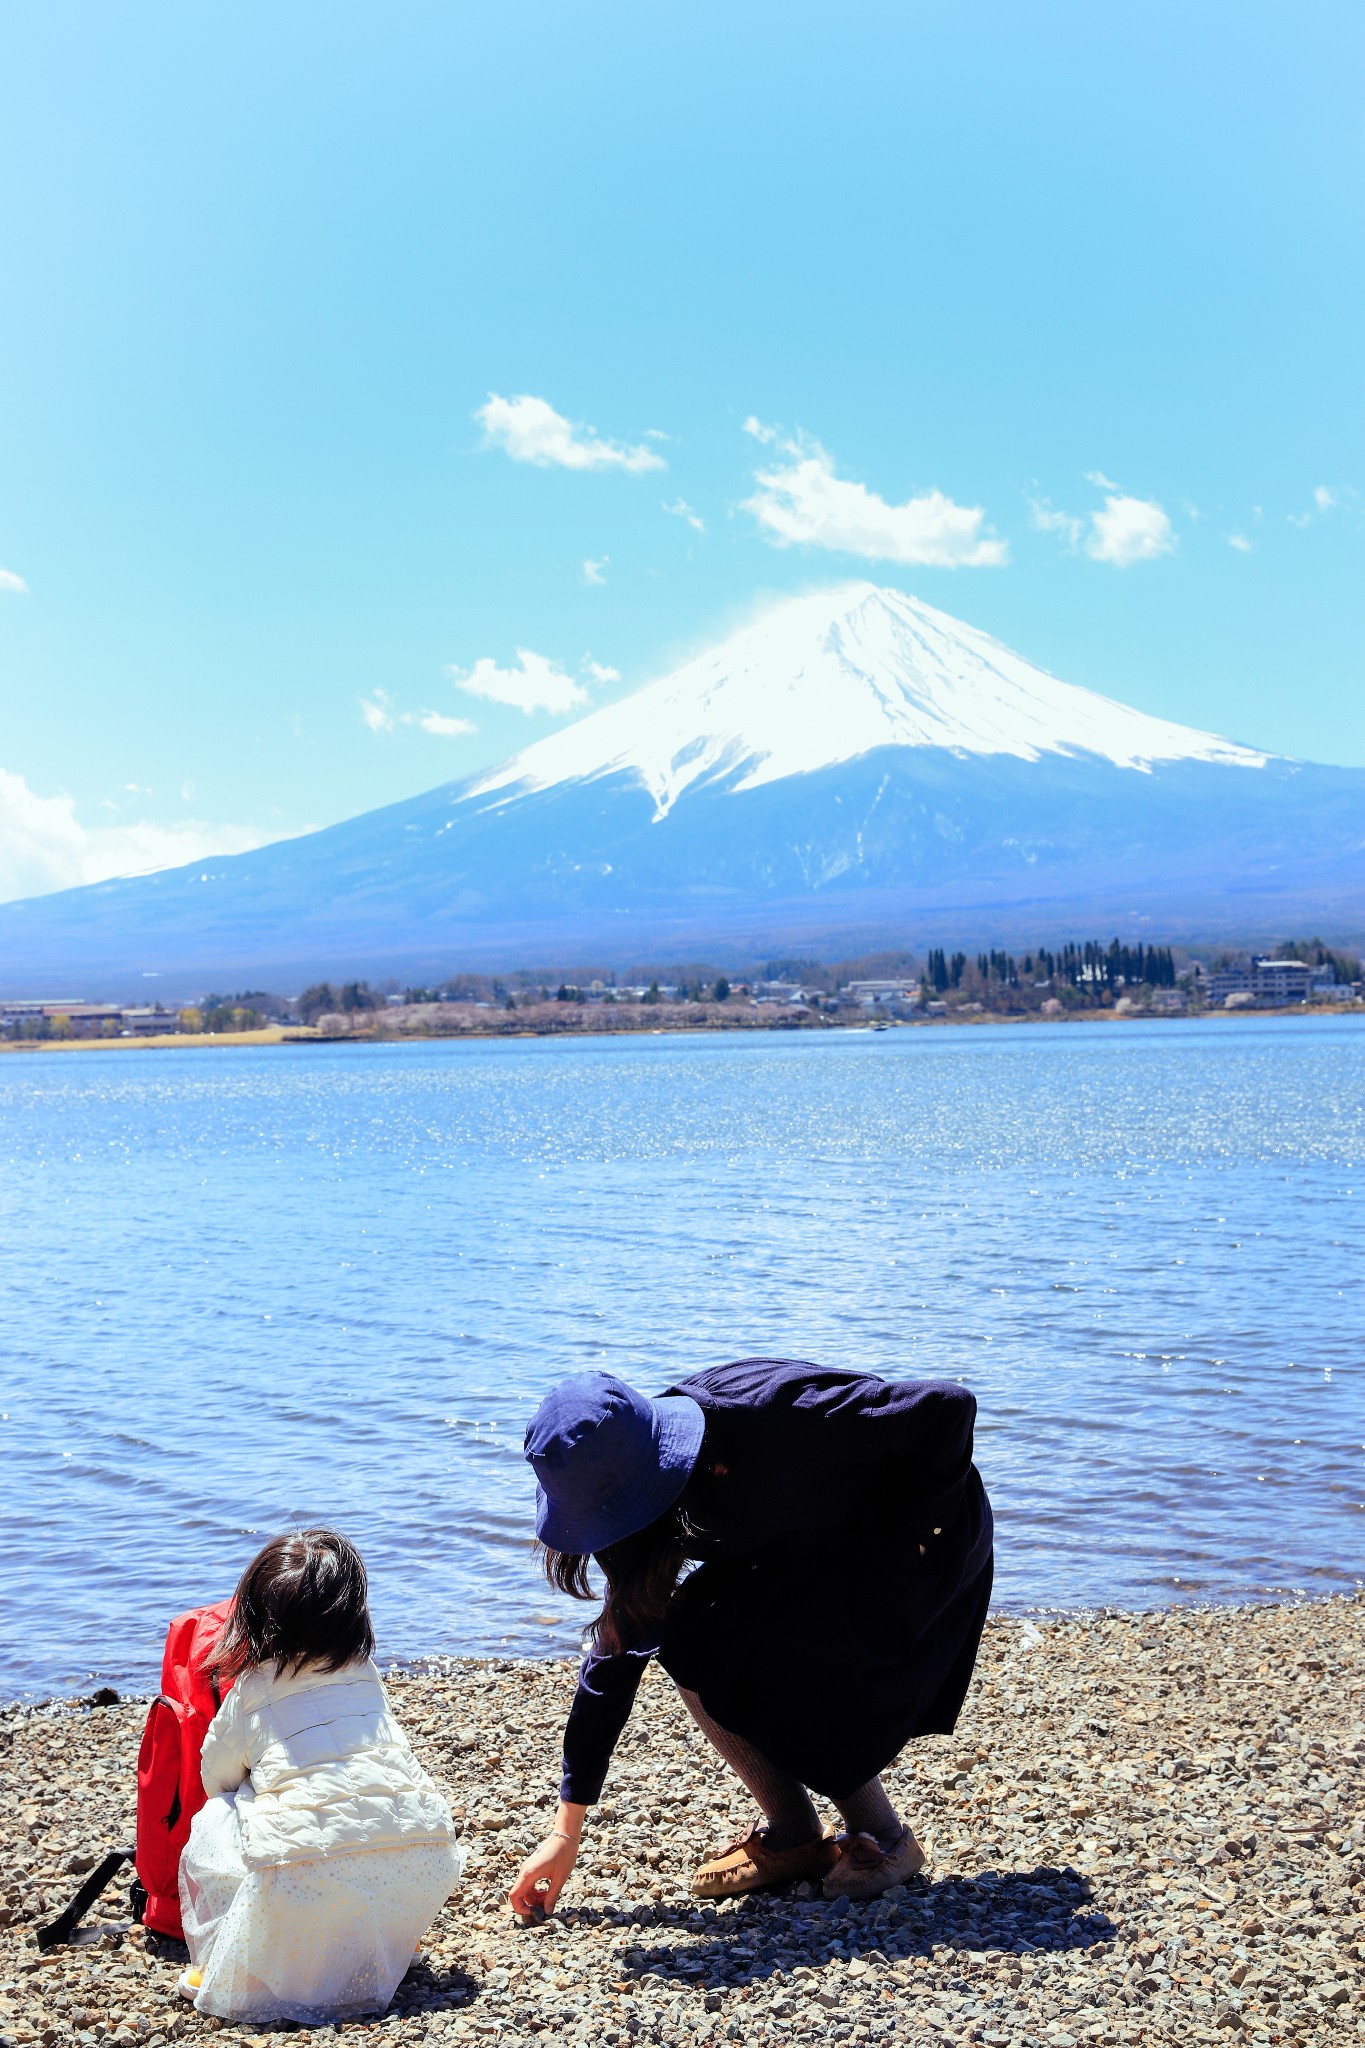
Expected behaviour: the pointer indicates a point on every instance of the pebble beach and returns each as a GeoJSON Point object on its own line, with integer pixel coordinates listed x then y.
{"type": "Point", "coordinates": [1146, 1828]}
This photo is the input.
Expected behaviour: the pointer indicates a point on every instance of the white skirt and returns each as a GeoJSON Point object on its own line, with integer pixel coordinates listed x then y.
{"type": "Point", "coordinates": [314, 1941]}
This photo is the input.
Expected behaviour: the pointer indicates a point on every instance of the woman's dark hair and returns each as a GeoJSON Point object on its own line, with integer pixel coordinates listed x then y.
{"type": "Point", "coordinates": [642, 1573]}
{"type": "Point", "coordinates": [300, 1601]}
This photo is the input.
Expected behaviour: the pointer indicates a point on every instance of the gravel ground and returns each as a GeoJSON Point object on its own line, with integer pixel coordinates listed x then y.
{"type": "Point", "coordinates": [1147, 1828]}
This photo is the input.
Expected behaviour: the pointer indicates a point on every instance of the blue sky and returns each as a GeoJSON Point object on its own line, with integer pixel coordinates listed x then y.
{"type": "Point", "coordinates": [1048, 314]}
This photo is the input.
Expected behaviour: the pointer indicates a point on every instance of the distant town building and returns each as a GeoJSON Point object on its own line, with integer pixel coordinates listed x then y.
{"type": "Point", "coordinates": [1224, 982]}
{"type": "Point", "coordinates": [876, 995]}
{"type": "Point", "coordinates": [14, 1011]}
{"type": "Point", "coordinates": [75, 1019]}
{"type": "Point", "coordinates": [1270, 982]}
{"type": "Point", "coordinates": [145, 1021]}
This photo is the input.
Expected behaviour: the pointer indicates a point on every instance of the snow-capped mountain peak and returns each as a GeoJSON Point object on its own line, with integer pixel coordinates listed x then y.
{"type": "Point", "coordinates": [824, 678]}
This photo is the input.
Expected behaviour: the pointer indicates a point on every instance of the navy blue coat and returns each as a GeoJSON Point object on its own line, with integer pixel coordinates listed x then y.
{"type": "Point", "coordinates": [812, 1625]}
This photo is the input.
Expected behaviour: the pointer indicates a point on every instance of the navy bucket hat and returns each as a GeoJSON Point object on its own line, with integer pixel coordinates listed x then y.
{"type": "Point", "coordinates": [607, 1460]}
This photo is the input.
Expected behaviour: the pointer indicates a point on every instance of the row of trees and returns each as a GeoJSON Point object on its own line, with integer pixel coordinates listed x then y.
{"type": "Point", "coordinates": [226, 1013]}
{"type": "Point", "coordinates": [322, 1000]}
{"type": "Point", "coordinates": [1089, 965]}
{"type": "Point", "coordinates": [718, 991]}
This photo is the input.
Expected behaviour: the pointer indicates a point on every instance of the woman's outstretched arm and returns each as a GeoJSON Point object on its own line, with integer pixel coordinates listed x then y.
{"type": "Point", "coordinates": [601, 1707]}
{"type": "Point", "coordinates": [547, 1870]}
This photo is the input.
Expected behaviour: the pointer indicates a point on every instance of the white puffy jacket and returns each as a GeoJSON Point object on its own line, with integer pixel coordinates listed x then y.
{"type": "Point", "coordinates": [318, 1766]}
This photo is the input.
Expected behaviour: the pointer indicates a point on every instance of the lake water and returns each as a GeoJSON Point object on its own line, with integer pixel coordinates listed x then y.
{"type": "Point", "coordinates": [244, 1287]}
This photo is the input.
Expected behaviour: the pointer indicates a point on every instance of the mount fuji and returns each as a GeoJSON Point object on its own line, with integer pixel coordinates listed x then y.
{"type": "Point", "coordinates": [854, 768]}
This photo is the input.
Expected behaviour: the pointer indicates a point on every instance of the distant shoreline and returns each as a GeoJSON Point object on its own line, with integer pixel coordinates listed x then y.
{"type": "Point", "coordinates": [295, 1034]}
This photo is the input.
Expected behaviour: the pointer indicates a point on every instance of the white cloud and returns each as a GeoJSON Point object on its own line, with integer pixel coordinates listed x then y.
{"type": "Point", "coordinates": [377, 711]}
{"type": "Point", "coordinates": [756, 427]}
{"type": "Point", "coordinates": [380, 715]}
{"type": "Point", "coordinates": [439, 725]}
{"type": "Point", "coordinates": [1241, 543]}
{"type": "Point", "coordinates": [596, 571]}
{"type": "Point", "coordinates": [15, 584]}
{"type": "Point", "coordinates": [1047, 519]}
{"type": "Point", "coordinates": [1124, 531]}
{"type": "Point", "coordinates": [536, 684]}
{"type": "Point", "coordinates": [804, 504]}
{"type": "Point", "coordinates": [1129, 530]}
{"type": "Point", "coordinates": [680, 509]}
{"type": "Point", "coordinates": [600, 674]}
{"type": "Point", "coordinates": [44, 845]}
{"type": "Point", "coordinates": [530, 430]}
{"type": "Point", "coordinates": [1326, 498]}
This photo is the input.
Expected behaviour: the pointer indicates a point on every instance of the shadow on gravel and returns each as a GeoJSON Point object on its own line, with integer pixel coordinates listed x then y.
{"type": "Point", "coordinates": [1013, 1912]}
{"type": "Point", "coordinates": [439, 1990]}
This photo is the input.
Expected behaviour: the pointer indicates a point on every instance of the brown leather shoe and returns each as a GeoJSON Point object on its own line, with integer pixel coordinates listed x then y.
{"type": "Point", "coordinates": [865, 1870]}
{"type": "Point", "coordinates": [748, 1865]}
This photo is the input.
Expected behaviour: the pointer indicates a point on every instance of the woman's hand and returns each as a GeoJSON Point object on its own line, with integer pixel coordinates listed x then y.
{"type": "Point", "coordinates": [547, 1869]}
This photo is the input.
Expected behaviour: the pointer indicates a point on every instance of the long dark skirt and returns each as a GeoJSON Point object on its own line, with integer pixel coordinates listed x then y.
{"type": "Point", "coordinates": [831, 1660]}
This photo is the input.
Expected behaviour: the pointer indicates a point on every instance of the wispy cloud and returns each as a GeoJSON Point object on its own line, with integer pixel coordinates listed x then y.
{"type": "Point", "coordinates": [802, 503]}
{"type": "Point", "coordinates": [377, 711]}
{"type": "Point", "coordinates": [45, 846]}
{"type": "Point", "coordinates": [1128, 530]}
{"type": "Point", "coordinates": [1047, 519]}
{"type": "Point", "coordinates": [15, 585]}
{"type": "Point", "coordinates": [530, 430]}
{"type": "Point", "coordinates": [1326, 498]}
{"type": "Point", "coordinates": [381, 715]}
{"type": "Point", "coordinates": [680, 509]}
{"type": "Point", "coordinates": [1241, 543]}
{"type": "Point", "coordinates": [596, 571]}
{"type": "Point", "coordinates": [439, 725]}
{"type": "Point", "coordinates": [535, 684]}
{"type": "Point", "coordinates": [600, 674]}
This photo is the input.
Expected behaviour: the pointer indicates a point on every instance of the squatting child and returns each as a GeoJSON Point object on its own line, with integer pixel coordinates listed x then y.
{"type": "Point", "coordinates": [325, 1851]}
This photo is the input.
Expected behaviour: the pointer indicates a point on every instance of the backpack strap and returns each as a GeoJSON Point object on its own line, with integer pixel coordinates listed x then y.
{"type": "Point", "coordinates": [69, 1919]}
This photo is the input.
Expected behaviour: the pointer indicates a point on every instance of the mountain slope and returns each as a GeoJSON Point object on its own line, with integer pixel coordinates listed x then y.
{"type": "Point", "coordinates": [853, 769]}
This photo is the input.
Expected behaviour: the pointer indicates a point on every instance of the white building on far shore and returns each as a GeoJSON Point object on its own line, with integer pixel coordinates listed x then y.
{"type": "Point", "coordinates": [877, 995]}
{"type": "Point", "coordinates": [1273, 983]}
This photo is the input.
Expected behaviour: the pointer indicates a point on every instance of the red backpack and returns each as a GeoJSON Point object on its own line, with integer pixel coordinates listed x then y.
{"type": "Point", "coordinates": [170, 1790]}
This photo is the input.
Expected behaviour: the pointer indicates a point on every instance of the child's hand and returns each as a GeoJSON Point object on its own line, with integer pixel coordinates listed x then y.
{"type": "Point", "coordinates": [542, 1878]}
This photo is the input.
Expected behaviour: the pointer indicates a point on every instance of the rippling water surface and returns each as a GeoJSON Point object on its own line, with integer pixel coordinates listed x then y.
{"type": "Point", "coordinates": [242, 1287]}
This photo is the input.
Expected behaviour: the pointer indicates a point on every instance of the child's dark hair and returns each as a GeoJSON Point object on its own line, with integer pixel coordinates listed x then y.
{"type": "Point", "coordinates": [300, 1601]}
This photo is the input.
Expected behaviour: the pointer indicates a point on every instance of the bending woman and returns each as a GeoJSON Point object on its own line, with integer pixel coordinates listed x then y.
{"type": "Point", "coordinates": [841, 1543]}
